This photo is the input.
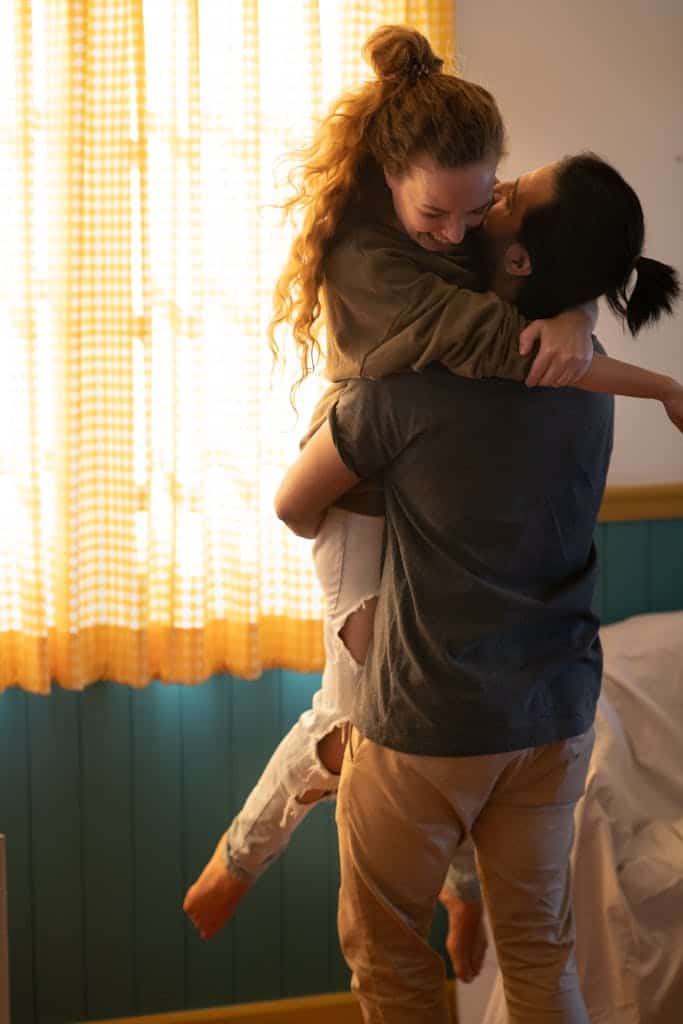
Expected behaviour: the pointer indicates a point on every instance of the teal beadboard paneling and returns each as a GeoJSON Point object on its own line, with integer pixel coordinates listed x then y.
{"type": "Point", "coordinates": [666, 565]}
{"type": "Point", "coordinates": [113, 799]}
{"type": "Point", "coordinates": [627, 561]}
{"type": "Point", "coordinates": [158, 824]}
{"type": "Point", "coordinates": [308, 906]}
{"type": "Point", "coordinates": [209, 802]}
{"type": "Point", "coordinates": [56, 855]}
{"type": "Point", "coordinates": [15, 823]}
{"type": "Point", "coordinates": [257, 949]}
{"type": "Point", "coordinates": [106, 779]}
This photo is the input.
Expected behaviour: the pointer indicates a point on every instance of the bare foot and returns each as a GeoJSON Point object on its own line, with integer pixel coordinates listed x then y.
{"type": "Point", "coordinates": [214, 897]}
{"type": "Point", "coordinates": [466, 942]}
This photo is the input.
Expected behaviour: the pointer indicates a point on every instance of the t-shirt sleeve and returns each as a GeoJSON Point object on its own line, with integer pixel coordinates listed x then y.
{"type": "Point", "coordinates": [366, 429]}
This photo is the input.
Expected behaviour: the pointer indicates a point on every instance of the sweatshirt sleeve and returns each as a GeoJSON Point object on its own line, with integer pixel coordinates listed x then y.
{"type": "Point", "coordinates": [388, 313]}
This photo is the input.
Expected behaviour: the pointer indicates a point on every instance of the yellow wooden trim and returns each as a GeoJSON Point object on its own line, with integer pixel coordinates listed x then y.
{"type": "Point", "coordinates": [649, 501]}
{"type": "Point", "coordinates": [339, 1008]}
{"type": "Point", "coordinates": [336, 1008]}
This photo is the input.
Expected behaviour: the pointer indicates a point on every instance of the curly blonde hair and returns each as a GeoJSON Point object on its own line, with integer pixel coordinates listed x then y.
{"type": "Point", "coordinates": [411, 108]}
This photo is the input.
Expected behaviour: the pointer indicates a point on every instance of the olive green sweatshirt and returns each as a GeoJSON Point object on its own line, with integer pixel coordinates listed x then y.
{"type": "Point", "coordinates": [391, 305]}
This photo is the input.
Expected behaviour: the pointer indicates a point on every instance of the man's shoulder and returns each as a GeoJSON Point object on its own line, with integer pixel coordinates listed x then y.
{"type": "Point", "coordinates": [411, 397]}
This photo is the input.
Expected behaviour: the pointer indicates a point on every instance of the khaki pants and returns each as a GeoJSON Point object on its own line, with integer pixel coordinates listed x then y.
{"type": "Point", "coordinates": [401, 817]}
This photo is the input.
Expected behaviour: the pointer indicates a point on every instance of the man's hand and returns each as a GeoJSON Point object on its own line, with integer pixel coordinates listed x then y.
{"type": "Point", "coordinates": [566, 347]}
{"type": "Point", "coordinates": [673, 404]}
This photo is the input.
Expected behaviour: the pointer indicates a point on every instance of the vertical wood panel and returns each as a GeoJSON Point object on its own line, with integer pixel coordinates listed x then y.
{"type": "Point", "coordinates": [257, 926]}
{"type": "Point", "coordinates": [599, 597]}
{"type": "Point", "coordinates": [340, 976]}
{"type": "Point", "coordinates": [627, 582]}
{"type": "Point", "coordinates": [157, 822]}
{"type": "Point", "coordinates": [208, 808]}
{"type": "Point", "coordinates": [666, 565]}
{"type": "Point", "coordinates": [56, 856]}
{"type": "Point", "coordinates": [108, 889]}
{"type": "Point", "coordinates": [305, 870]}
{"type": "Point", "coordinates": [15, 823]}
{"type": "Point", "coordinates": [437, 936]}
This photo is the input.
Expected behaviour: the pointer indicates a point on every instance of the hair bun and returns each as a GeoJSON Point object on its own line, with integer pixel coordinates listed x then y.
{"type": "Point", "coordinates": [396, 51]}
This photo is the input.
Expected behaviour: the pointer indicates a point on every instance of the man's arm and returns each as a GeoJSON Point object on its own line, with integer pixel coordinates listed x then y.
{"type": "Point", "coordinates": [312, 484]}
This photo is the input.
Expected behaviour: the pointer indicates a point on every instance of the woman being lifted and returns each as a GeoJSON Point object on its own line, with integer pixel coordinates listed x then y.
{"type": "Point", "coordinates": [397, 174]}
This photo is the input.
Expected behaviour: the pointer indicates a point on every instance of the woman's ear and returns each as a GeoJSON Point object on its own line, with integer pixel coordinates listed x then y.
{"type": "Point", "coordinates": [516, 261]}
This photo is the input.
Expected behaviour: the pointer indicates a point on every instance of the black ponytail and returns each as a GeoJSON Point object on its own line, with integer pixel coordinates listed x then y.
{"type": "Point", "coordinates": [657, 286]}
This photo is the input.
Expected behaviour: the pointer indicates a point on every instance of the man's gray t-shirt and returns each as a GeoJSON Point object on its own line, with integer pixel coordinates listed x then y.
{"type": "Point", "coordinates": [484, 637]}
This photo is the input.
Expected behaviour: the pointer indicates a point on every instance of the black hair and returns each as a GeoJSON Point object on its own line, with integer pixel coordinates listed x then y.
{"type": "Point", "coordinates": [586, 242]}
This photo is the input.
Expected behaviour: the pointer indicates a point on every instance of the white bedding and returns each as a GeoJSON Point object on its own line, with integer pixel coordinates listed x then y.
{"type": "Point", "coordinates": [628, 854]}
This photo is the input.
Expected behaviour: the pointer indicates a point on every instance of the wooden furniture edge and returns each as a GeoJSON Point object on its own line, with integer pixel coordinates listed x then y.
{"type": "Point", "coordinates": [338, 1008]}
{"type": "Point", "coordinates": [645, 501]}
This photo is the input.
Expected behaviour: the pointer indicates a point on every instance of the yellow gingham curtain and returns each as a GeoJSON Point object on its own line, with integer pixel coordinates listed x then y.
{"type": "Point", "coordinates": [141, 439]}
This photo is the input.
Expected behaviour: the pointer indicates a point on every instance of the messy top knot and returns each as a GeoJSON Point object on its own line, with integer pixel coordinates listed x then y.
{"type": "Point", "coordinates": [411, 110]}
{"type": "Point", "coordinates": [396, 52]}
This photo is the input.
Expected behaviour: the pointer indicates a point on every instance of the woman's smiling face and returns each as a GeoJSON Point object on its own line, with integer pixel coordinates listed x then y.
{"type": "Point", "coordinates": [436, 205]}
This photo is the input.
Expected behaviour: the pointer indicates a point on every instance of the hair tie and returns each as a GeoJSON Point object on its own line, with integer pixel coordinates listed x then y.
{"type": "Point", "coordinates": [631, 281]}
{"type": "Point", "coordinates": [418, 69]}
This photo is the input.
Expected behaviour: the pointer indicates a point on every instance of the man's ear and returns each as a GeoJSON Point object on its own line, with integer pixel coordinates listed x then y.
{"type": "Point", "coordinates": [516, 261]}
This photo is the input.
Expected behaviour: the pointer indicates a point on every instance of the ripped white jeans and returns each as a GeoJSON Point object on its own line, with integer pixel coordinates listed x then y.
{"type": "Point", "coordinates": [347, 555]}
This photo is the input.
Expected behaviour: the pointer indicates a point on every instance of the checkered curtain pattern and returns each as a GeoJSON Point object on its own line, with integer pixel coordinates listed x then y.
{"type": "Point", "coordinates": [142, 433]}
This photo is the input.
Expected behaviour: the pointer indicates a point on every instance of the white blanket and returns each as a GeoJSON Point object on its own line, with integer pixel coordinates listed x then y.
{"type": "Point", "coordinates": [628, 853]}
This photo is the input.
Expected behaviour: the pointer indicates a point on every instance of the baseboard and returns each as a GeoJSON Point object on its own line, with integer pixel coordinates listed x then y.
{"type": "Point", "coordinates": [335, 1008]}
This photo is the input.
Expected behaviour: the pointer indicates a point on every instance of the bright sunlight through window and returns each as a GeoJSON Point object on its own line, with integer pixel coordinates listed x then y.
{"type": "Point", "coordinates": [142, 431]}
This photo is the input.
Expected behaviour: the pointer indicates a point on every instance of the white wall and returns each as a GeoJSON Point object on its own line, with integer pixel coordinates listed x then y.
{"type": "Point", "coordinates": [605, 75]}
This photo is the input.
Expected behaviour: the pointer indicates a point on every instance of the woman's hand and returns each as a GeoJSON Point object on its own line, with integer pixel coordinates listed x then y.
{"type": "Point", "coordinates": [566, 347]}
{"type": "Point", "coordinates": [673, 404]}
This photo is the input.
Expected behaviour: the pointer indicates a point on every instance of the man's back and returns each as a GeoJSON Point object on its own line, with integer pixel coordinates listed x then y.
{"type": "Point", "coordinates": [484, 636]}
